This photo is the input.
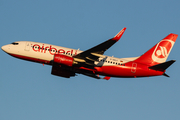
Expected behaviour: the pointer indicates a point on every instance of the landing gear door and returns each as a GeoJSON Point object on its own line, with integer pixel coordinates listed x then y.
{"type": "Point", "coordinates": [27, 46]}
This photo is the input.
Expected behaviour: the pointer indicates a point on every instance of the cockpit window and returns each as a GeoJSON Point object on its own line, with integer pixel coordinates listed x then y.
{"type": "Point", "coordinates": [14, 43]}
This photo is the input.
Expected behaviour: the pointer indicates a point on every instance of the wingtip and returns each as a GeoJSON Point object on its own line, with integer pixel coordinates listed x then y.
{"type": "Point", "coordinates": [118, 36]}
{"type": "Point", "coordinates": [106, 77]}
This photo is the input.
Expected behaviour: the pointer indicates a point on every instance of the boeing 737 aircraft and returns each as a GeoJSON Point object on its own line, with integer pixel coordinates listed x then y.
{"type": "Point", "coordinates": [67, 62]}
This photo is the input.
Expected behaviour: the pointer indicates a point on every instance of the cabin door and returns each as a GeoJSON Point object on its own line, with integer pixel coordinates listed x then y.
{"type": "Point", "coordinates": [27, 46]}
{"type": "Point", "coordinates": [134, 66]}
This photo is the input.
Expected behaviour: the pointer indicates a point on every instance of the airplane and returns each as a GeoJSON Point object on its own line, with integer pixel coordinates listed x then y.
{"type": "Point", "coordinates": [67, 62]}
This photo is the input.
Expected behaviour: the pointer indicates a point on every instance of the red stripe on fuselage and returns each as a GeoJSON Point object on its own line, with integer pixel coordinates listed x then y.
{"type": "Point", "coordinates": [31, 59]}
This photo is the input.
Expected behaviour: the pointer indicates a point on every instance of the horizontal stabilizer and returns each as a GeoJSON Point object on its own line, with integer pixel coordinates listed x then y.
{"type": "Point", "coordinates": [166, 75]}
{"type": "Point", "coordinates": [162, 66]}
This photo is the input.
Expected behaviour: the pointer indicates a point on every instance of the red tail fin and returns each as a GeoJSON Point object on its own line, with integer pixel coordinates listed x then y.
{"type": "Point", "coordinates": [160, 52]}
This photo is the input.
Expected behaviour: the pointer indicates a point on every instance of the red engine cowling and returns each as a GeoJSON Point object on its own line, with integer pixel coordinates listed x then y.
{"type": "Point", "coordinates": [63, 59]}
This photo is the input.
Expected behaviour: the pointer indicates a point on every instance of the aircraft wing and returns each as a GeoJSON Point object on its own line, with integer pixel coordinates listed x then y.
{"type": "Point", "coordinates": [94, 53]}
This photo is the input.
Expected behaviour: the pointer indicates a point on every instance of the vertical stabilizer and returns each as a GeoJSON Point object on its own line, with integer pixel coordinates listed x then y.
{"type": "Point", "coordinates": [160, 52]}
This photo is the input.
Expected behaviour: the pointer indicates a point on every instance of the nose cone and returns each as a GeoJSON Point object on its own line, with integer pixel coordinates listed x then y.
{"type": "Point", "coordinates": [5, 48]}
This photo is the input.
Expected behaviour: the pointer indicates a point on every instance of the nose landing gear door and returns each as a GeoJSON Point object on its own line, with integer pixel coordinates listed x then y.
{"type": "Point", "coordinates": [27, 46]}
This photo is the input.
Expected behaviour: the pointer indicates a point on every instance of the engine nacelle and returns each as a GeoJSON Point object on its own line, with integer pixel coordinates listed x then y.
{"type": "Point", "coordinates": [63, 59]}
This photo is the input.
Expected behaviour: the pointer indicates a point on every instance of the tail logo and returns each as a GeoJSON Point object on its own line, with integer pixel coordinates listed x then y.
{"type": "Point", "coordinates": [162, 53]}
{"type": "Point", "coordinates": [162, 50]}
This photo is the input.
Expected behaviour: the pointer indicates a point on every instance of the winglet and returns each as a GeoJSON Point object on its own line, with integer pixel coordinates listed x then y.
{"type": "Point", "coordinates": [118, 36]}
{"type": "Point", "coordinates": [106, 78]}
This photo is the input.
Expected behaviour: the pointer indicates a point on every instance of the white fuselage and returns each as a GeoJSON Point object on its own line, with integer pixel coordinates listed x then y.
{"type": "Point", "coordinates": [45, 52]}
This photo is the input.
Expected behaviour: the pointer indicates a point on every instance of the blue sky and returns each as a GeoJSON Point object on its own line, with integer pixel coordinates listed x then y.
{"type": "Point", "coordinates": [28, 90]}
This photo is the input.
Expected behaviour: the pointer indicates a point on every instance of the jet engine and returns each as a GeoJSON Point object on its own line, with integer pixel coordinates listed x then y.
{"type": "Point", "coordinates": [62, 66]}
{"type": "Point", "coordinates": [63, 60]}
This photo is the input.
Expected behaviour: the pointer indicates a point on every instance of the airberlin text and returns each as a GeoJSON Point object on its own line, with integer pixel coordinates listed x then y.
{"type": "Point", "coordinates": [52, 50]}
